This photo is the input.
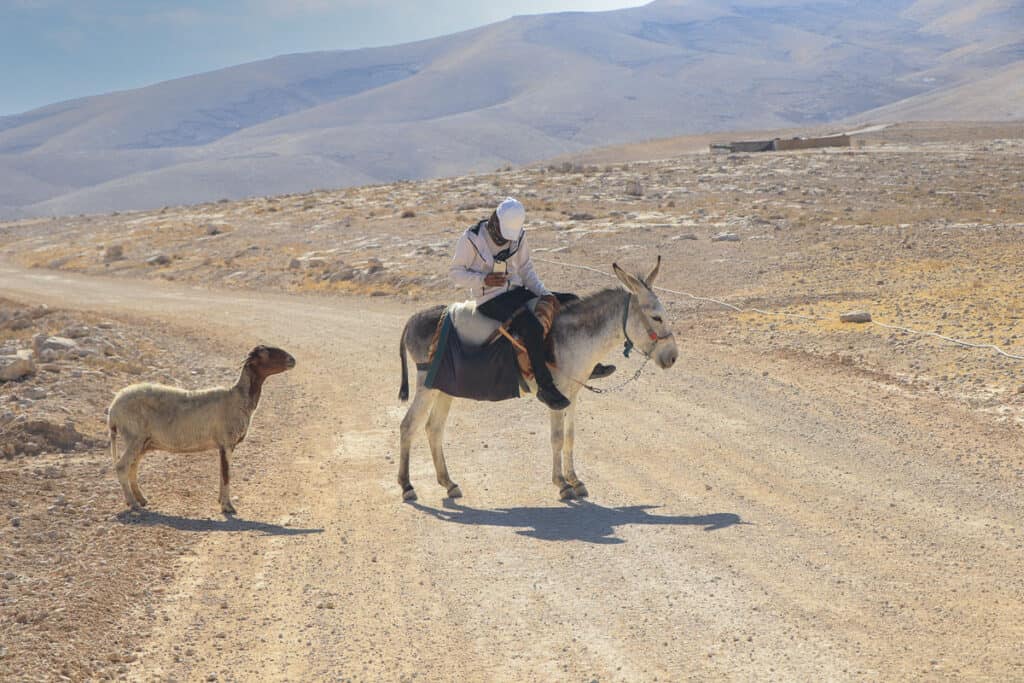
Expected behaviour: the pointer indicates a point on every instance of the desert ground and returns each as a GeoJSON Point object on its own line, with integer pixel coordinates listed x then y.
{"type": "Point", "coordinates": [797, 499]}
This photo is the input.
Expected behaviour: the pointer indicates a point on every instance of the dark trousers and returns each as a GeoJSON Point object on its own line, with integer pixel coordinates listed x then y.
{"type": "Point", "coordinates": [525, 326]}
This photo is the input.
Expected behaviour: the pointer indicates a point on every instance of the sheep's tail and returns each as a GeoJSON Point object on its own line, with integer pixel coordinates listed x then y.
{"type": "Point", "coordinates": [403, 391]}
{"type": "Point", "coordinates": [112, 428]}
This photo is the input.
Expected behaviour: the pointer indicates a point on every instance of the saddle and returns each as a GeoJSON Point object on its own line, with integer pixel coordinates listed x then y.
{"type": "Point", "coordinates": [476, 329]}
{"type": "Point", "coordinates": [473, 356]}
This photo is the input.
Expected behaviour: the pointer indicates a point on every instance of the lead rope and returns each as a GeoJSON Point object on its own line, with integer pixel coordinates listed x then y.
{"type": "Point", "coordinates": [617, 387]}
{"type": "Point", "coordinates": [626, 348]}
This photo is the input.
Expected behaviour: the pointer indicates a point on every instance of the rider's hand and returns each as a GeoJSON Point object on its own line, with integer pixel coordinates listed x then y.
{"type": "Point", "coordinates": [495, 279]}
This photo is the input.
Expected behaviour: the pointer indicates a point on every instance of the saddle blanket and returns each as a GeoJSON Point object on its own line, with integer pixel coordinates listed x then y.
{"type": "Point", "coordinates": [462, 367]}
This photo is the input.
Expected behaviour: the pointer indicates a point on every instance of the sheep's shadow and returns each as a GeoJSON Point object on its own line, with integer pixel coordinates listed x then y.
{"type": "Point", "coordinates": [228, 523]}
{"type": "Point", "coordinates": [577, 521]}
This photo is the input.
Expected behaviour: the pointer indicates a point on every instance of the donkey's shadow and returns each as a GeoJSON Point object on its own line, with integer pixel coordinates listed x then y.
{"type": "Point", "coordinates": [578, 521]}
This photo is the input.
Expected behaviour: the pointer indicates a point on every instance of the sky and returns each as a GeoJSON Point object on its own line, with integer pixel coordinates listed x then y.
{"type": "Point", "coordinates": [54, 50]}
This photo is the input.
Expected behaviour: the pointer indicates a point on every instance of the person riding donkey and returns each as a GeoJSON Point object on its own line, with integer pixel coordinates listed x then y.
{"type": "Point", "coordinates": [501, 239]}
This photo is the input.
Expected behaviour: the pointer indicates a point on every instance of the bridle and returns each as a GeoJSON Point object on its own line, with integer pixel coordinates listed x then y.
{"type": "Point", "coordinates": [628, 345]}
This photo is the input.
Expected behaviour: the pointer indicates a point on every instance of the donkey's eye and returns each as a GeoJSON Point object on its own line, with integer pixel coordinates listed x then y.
{"type": "Point", "coordinates": [656, 318]}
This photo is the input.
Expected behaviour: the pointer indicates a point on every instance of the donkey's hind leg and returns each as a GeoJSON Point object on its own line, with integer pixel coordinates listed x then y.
{"type": "Point", "coordinates": [435, 435]}
{"type": "Point", "coordinates": [568, 466]}
{"type": "Point", "coordinates": [557, 440]}
{"type": "Point", "coordinates": [414, 418]}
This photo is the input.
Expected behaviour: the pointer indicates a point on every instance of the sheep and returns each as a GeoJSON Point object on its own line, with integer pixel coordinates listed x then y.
{"type": "Point", "coordinates": [157, 417]}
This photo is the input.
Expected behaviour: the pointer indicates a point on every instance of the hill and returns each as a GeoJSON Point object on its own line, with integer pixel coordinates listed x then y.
{"type": "Point", "coordinates": [525, 89]}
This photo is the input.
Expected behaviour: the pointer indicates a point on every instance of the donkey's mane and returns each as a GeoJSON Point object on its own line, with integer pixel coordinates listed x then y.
{"type": "Point", "coordinates": [590, 313]}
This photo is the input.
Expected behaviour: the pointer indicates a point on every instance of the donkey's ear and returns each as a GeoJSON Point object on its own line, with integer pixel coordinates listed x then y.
{"type": "Point", "coordinates": [649, 280]}
{"type": "Point", "coordinates": [632, 284]}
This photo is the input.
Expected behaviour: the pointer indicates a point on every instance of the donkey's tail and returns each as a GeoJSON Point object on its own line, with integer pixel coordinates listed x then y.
{"type": "Point", "coordinates": [403, 391]}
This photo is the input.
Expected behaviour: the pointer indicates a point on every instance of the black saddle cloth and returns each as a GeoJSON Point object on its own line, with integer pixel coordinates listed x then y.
{"type": "Point", "coordinates": [487, 373]}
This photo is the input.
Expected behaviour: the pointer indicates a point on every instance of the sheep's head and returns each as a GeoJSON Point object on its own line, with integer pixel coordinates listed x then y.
{"type": "Point", "coordinates": [269, 360]}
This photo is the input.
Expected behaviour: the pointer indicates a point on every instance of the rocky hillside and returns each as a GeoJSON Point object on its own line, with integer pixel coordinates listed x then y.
{"type": "Point", "coordinates": [919, 224]}
{"type": "Point", "coordinates": [526, 89]}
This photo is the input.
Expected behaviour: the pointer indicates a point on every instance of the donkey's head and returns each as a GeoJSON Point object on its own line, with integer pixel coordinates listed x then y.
{"type": "Point", "coordinates": [646, 323]}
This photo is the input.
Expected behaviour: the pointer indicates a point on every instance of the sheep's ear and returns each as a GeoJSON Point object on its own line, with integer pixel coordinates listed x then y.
{"type": "Point", "coordinates": [649, 280]}
{"type": "Point", "coordinates": [632, 284]}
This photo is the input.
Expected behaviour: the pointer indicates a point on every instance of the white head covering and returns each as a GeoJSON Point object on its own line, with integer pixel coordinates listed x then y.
{"type": "Point", "coordinates": [511, 216]}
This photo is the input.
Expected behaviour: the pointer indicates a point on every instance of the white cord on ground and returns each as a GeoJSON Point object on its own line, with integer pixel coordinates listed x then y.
{"type": "Point", "coordinates": [738, 309]}
{"type": "Point", "coordinates": [960, 342]}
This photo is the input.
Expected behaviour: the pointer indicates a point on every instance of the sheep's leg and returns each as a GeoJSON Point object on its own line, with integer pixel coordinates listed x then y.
{"type": "Point", "coordinates": [557, 439]}
{"type": "Point", "coordinates": [133, 478]}
{"type": "Point", "coordinates": [435, 436]}
{"type": "Point", "coordinates": [568, 466]}
{"type": "Point", "coordinates": [132, 448]}
{"type": "Point", "coordinates": [225, 481]}
{"type": "Point", "coordinates": [414, 418]}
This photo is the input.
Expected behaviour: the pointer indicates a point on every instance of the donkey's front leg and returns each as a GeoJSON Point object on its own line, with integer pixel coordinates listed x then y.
{"type": "Point", "coordinates": [557, 439]}
{"type": "Point", "coordinates": [567, 452]}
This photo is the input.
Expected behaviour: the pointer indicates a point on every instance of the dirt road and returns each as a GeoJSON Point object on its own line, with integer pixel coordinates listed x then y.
{"type": "Point", "coordinates": [752, 517]}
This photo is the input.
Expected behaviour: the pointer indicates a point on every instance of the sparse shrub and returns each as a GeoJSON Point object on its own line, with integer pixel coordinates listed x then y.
{"type": "Point", "coordinates": [634, 188]}
{"type": "Point", "coordinates": [408, 213]}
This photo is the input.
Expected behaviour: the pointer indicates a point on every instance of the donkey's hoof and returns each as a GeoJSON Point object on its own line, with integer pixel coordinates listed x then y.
{"type": "Point", "coordinates": [409, 494]}
{"type": "Point", "coordinates": [454, 491]}
{"type": "Point", "coordinates": [580, 490]}
{"type": "Point", "coordinates": [142, 501]}
{"type": "Point", "coordinates": [566, 493]}
{"type": "Point", "coordinates": [227, 509]}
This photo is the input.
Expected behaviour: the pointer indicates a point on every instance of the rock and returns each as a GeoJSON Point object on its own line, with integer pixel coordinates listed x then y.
{"type": "Point", "coordinates": [35, 393]}
{"type": "Point", "coordinates": [35, 435]}
{"type": "Point", "coordinates": [373, 265]}
{"type": "Point", "coordinates": [316, 262]}
{"type": "Point", "coordinates": [57, 344]}
{"type": "Point", "coordinates": [725, 237]}
{"type": "Point", "coordinates": [343, 275]}
{"type": "Point", "coordinates": [158, 260]}
{"type": "Point", "coordinates": [21, 364]}
{"type": "Point", "coordinates": [294, 264]}
{"type": "Point", "coordinates": [687, 236]}
{"type": "Point", "coordinates": [855, 317]}
{"type": "Point", "coordinates": [634, 188]}
{"type": "Point", "coordinates": [75, 331]}
{"type": "Point", "coordinates": [115, 252]}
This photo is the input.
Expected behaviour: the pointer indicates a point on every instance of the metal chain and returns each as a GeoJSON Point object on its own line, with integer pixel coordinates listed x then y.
{"type": "Point", "coordinates": [598, 390]}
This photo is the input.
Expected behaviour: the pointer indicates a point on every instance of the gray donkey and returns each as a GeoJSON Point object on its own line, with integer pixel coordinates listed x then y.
{"type": "Point", "coordinates": [584, 332]}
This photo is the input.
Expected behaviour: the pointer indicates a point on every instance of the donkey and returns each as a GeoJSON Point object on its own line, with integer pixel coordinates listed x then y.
{"type": "Point", "coordinates": [584, 332]}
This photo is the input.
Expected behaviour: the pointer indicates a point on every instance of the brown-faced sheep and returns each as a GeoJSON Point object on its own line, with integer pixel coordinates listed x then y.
{"type": "Point", "coordinates": [157, 417]}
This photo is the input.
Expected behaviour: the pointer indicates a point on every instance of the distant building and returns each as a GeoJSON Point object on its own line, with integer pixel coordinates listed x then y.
{"type": "Point", "coordinates": [781, 145]}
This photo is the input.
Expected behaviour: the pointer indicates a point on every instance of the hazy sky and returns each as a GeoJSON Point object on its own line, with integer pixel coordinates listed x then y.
{"type": "Point", "coordinates": [52, 50]}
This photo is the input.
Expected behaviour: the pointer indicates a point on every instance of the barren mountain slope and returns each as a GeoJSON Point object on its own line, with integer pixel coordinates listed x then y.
{"type": "Point", "coordinates": [521, 90]}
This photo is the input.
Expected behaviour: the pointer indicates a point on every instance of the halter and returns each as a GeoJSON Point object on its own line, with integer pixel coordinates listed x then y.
{"type": "Point", "coordinates": [628, 345]}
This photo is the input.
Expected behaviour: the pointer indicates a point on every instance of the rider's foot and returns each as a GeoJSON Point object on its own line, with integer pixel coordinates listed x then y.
{"type": "Point", "coordinates": [601, 371]}
{"type": "Point", "coordinates": [552, 398]}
